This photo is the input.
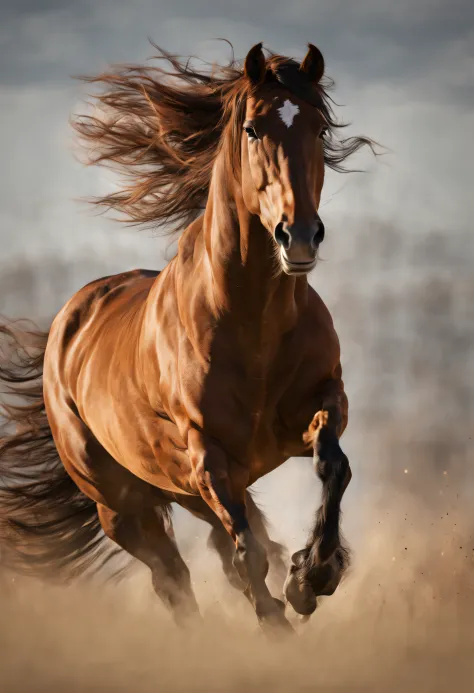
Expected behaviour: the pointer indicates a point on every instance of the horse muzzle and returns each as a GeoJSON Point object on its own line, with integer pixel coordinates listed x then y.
{"type": "Point", "coordinates": [299, 245]}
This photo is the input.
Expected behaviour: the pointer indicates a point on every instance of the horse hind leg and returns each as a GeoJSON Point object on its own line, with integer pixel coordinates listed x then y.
{"type": "Point", "coordinates": [148, 537]}
{"type": "Point", "coordinates": [133, 513]}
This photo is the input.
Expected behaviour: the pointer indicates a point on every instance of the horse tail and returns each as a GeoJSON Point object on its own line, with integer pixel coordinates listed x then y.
{"type": "Point", "coordinates": [48, 527]}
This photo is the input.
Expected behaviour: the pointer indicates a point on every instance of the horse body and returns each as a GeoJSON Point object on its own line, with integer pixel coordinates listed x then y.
{"type": "Point", "coordinates": [188, 385]}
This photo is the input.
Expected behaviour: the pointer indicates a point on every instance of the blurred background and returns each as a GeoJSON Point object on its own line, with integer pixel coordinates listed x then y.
{"type": "Point", "coordinates": [397, 272]}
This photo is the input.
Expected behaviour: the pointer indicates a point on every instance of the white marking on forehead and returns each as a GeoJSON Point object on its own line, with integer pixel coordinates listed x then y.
{"type": "Point", "coordinates": [287, 112]}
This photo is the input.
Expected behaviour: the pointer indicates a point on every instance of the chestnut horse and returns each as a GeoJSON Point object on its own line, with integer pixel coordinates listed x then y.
{"type": "Point", "coordinates": [186, 386]}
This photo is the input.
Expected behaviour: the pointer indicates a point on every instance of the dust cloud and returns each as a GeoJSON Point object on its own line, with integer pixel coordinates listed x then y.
{"type": "Point", "coordinates": [402, 618]}
{"type": "Point", "coordinates": [401, 621]}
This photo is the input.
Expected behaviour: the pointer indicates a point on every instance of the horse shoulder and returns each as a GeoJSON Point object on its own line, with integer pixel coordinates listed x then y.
{"type": "Point", "coordinates": [316, 354]}
{"type": "Point", "coordinates": [320, 339]}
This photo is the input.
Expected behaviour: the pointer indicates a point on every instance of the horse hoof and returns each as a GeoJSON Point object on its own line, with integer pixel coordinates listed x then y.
{"type": "Point", "coordinates": [325, 579]}
{"type": "Point", "coordinates": [300, 595]}
{"type": "Point", "coordinates": [303, 586]}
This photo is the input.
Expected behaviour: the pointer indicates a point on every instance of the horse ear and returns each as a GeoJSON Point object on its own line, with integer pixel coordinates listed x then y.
{"type": "Point", "coordinates": [255, 65]}
{"type": "Point", "coordinates": [313, 64]}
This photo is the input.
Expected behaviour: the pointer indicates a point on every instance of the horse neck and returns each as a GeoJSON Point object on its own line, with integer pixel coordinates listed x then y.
{"type": "Point", "coordinates": [245, 279]}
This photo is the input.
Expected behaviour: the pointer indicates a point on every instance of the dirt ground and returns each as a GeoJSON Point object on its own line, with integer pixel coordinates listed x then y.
{"type": "Point", "coordinates": [402, 620]}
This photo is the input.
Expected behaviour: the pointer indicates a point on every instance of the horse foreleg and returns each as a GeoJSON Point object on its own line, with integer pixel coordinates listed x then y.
{"type": "Point", "coordinates": [318, 568]}
{"type": "Point", "coordinates": [276, 552]}
{"type": "Point", "coordinates": [222, 483]}
{"type": "Point", "coordinates": [277, 555]}
{"type": "Point", "coordinates": [221, 542]}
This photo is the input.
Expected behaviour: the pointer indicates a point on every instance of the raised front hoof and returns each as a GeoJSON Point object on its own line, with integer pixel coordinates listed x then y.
{"type": "Point", "coordinates": [302, 586]}
{"type": "Point", "coordinates": [324, 579]}
{"type": "Point", "coordinates": [299, 594]}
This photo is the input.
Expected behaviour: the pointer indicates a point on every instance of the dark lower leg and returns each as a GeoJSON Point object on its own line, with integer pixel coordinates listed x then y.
{"type": "Point", "coordinates": [222, 485]}
{"type": "Point", "coordinates": [317, 569]}
{"type": "Point", "coordinates": [221, 542]}
{"type": "Point", "coordinates": [276, 553]}
{"type": "Point", "coordinates": [332, 468]}
{"type": "Point", "coordinates": [146, 537]}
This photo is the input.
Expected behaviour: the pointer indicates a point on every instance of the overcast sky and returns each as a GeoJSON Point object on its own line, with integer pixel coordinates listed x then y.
{"type": "Point", "coordinates": [404, 73]}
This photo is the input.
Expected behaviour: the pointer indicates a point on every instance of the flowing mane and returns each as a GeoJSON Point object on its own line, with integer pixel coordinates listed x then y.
{"type": "Point", "coordinates": [161, 128]}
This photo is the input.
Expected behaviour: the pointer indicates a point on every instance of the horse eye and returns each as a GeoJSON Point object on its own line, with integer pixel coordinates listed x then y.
{"type": "Point", "coordinates": [249, 129]}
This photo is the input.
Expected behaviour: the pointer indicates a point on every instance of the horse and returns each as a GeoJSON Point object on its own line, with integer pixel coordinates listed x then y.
{"type": "Point", "coordinates": [188, 385]}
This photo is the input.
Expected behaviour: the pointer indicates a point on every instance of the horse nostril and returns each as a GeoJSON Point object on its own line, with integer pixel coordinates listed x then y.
{"type": "Point", "coordinates": [319, 235]}
{"type": "Point", "coordinates": [282, 237]}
